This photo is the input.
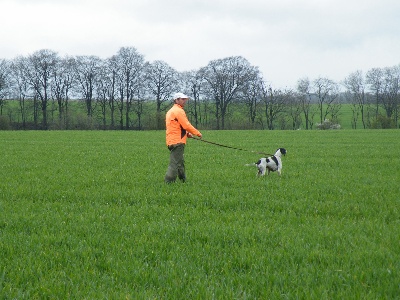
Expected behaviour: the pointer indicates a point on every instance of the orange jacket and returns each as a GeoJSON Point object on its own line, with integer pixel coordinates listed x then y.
{"type": "Point", "coordinates": [177, 126]}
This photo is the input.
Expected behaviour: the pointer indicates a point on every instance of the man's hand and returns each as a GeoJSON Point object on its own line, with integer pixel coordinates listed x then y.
{"type": "Point", "coordinates": [189, 135]}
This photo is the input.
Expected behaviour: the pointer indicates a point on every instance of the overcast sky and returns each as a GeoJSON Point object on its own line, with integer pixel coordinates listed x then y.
{"type": "Point", "coordinates": [286, 39]}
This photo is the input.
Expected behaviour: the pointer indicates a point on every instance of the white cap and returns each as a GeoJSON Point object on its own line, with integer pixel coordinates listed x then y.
{"type": "Point", "coordinates": [180, 95]}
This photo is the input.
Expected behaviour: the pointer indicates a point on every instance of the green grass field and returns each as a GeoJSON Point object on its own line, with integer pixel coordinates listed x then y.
{"type": "Point", "coordinates": [86, 215]}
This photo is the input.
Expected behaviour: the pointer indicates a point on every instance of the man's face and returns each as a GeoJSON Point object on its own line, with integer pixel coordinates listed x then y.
{"type": "Point", "coordinates": [181, 101]}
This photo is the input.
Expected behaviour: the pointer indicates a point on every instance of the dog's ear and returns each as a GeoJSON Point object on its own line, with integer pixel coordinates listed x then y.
{"type": "Point", "coordinates": [283, 151]}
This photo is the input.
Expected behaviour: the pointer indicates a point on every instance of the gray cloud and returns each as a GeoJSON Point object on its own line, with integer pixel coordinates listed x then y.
{"type": "Point", "coordinates": [287, 39]}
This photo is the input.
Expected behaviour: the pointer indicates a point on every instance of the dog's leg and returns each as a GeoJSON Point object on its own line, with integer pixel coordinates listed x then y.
{"type": "Point", "coordinates": [261, 172]}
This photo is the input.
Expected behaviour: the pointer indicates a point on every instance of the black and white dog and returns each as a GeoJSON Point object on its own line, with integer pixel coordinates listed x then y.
{"type": "Point", "coordinates": [271, 163]}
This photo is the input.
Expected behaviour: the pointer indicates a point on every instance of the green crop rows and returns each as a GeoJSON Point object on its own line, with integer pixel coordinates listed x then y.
{"type": "Point", "coordinates": [86, 215]}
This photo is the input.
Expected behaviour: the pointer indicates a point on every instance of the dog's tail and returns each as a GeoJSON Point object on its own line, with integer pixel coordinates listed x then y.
{"type": "Point", "coordinates": [250, 165]}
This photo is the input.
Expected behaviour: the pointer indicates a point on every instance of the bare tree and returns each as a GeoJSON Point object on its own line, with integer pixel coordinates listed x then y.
{"type": "Point", "coordinates": [193, 83]}
{"type": "Point", "coordinates": [139, 98]}
{"type": "Point", "coordinates": [390, 99]}
{"type": "Point", "coordinates": [305, 98]}
{"type": "Point", "coordinates": [103, 85]}
{"type": "Point", "coordinates": [4, 82]}
{"type": "Point", "coordinates": [130, 77]}
{"type": "Point", "coordinates": [227, 78]}
{"type": "Point", "coordinates": [327, 92]}
{"type": "Point", "coordinates": [375, 79]}
{"type": "Point", "coordinates": [162, 82]}
{"type": "Point", "coordinates": [62, 81]}
{"type": "Point", "coordinates": [275, 104]}
{"type": "Point", "coordinates": [20, 85]}
{"type": "Point", "coordinates": [294, 110]}
{"type": "Point", "coordinates": [355, 85]}
{"type": "Point", "coordinates": [86, 70]}
{"type": "Point", "coordinates": [110, 83]}
{"type": "Point", "coordinates": [252, 97]}
{"type": "Point", "coordinates": [39, 72]}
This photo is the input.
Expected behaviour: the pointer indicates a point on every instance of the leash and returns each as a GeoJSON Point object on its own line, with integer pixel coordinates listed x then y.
{"type": "Point", "coordinates": [230, 147]}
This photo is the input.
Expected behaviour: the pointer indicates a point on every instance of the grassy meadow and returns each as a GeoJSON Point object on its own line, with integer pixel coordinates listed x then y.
{"type": "Point", "coordinates": [86, 215]}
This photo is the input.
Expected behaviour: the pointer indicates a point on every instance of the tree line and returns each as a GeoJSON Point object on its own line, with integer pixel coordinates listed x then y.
{"type": "Point", "coordinates": [46, 91]}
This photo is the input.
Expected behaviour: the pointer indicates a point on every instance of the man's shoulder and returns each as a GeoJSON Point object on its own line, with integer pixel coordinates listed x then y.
{"type": "Point", "coordinates": [176, 108]}
{"type": "Point", "coordinates": [171, 109]}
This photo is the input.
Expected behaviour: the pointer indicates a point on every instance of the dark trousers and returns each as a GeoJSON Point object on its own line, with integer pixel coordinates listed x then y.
{"type": "Point", "coordinates": [176, 166]}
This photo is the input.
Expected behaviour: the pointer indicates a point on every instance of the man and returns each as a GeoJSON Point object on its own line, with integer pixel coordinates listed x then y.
{"type": "Point", "coordinates": [178, 128]}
